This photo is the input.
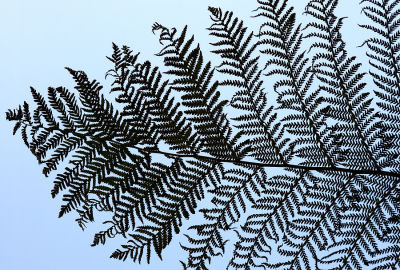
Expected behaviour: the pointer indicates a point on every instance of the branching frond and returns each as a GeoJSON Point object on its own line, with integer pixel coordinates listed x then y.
{"type": "Point", "coordinates": [282, 39]}
{"type": "Point", "coordinates": [363, 233]}
{"type": "Point", "coordinates": [280, 202]}
{"type": "Point", "coordinates": [237, 48]}
{"type": "Point", "coordinates": [187, 182]}
{"type": "Point", "coordinates": [342, 81]}
{"type": "Point", "coordinates": [141, 83]}
{"type": "Point", "coordinates": [315, 178]}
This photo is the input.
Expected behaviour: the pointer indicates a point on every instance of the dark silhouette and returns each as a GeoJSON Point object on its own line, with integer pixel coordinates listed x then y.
{"type": "Point", "coordinates": [335, 202]}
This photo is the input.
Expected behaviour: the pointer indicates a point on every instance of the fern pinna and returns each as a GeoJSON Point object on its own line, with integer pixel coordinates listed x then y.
{"type": "Point", "coordinates": [310, 181]}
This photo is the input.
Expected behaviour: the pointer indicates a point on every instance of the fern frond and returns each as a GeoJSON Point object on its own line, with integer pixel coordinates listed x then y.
{"type": "Point", "coordinates": [362, 232]}
{"type": "Point", "coordinates": [23, 119]}
{"type": "Point", "coordinates": [200, 94]}
{"type": "Point", "coordinates": [343, 83]}
{"type": "Point", "coordinates": [316, 222]}
{"type": "Point", "coordinates": [92, 175]}
{"type": "Point", "coordinates": [239, 62]}
{"type": "Point", "coordinates": [87, 210]}
{"type": "Point", "coordinates": [384, 55]}
{"type": "Point", "coordinates": [147, 82]}
{"type": "Point", "coordinates": [187, 181]}
{"type": "Point", "coordinates": [333, 201]}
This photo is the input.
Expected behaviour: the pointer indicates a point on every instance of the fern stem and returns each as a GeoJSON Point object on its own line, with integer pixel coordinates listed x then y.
{"type": "Point", "coordinates": [253, 163]}
{"type": "Point", "coordinates": [272, 165]}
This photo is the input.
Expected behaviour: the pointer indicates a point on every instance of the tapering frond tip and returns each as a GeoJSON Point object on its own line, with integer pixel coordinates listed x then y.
{"type": "Point", "coordinates": [14, 114]}
{"type": "Point", "coordinates": [291, 20]}
{"type": "Point", "coordinates": [156, 26]}
{"type": "Point", "coordinates": [216, 13]}
{"type": "Point", "coordinates": [75, 73]}
{"type": "Point", "coordinates": [70, 70]}
{"type": "Point", "coordinates": [19, 115]}
{"type": "Point", "coordinates": [166, 34]}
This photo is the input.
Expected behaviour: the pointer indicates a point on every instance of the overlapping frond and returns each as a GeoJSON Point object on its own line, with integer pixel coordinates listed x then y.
{"type": "Point", "coordinates": [340, 77]}
{"type": "Point", "coordinates": [280, 202]}
{"type": "Point", "coordinates": [96, 140]}
{"type": "Point", "coordinates": [143, 83]}
{"type": "Point", "coordinates": [282, 38]}
{"type": "Point", "coordinates": [364, 230]}
{"type": "Point", "coordinates": [240, 187]}
{"type": "Point", "coordinates": [187, 181]}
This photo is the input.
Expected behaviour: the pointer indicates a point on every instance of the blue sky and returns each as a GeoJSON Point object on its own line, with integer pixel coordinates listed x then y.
{"type": "Point", "coordinates": [38, 39]}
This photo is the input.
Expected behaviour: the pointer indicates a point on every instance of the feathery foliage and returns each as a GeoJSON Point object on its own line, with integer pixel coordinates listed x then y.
{"type": "Point", "coordinates": [310, 181]}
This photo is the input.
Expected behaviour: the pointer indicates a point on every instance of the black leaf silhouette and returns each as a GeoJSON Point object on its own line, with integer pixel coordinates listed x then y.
{"type": "Point", "coordinates": [310, 181]}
